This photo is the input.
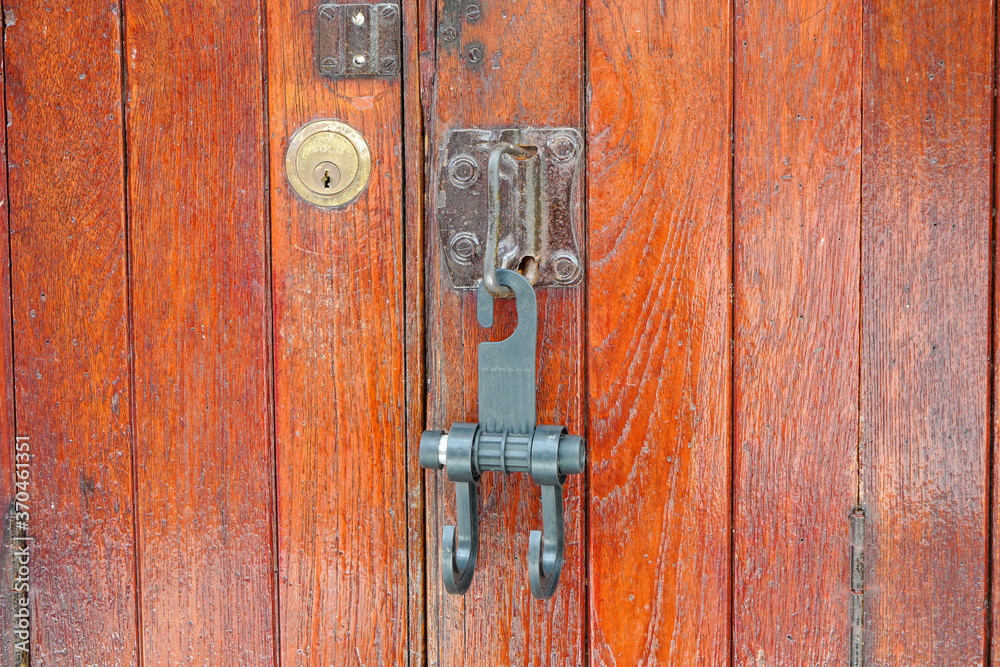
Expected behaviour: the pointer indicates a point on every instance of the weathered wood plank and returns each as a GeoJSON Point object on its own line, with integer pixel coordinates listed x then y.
{"type": "Point", "coordinates": [340, 373]}
{"type": "Point", "coordinates": [200, 311]}
{"type": "Point", "coordinates": [418, 58]}
{"type": "Point", "coordinates": [515, 83]}
{"type": "Point", "coordinates": [659, 321]}
{"type": "Point", "coordinates": [797, 233]}
{"type": "Point", "coordinates": [68, 254]}
{"type": "Point", "coordinates": [925, 303]}
{"type": "Point", "coordinates": [8, 454]}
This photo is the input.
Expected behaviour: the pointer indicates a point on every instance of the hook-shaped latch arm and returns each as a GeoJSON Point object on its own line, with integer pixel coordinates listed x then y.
{"type": "Point", "coordinates": [459, 543]}
{"type": "Point", "coordinates": [554, 455]}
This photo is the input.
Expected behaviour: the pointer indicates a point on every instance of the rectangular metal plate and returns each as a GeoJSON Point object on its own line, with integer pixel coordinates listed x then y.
{"type": "Point", "coordinates": [540, 202]}
{"type": "Point", "coordinates": [358, 40]}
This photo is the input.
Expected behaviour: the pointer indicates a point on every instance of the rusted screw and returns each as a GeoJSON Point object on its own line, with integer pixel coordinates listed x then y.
{"type": "Point", "coordinates": [566, 267]}
{"type": "Point", "coordinates": [475, 54]}
{"type": "Point", "coordinates": [449, 34]}
{"type": "Point", "coordinates": [563, 148]}
{"type": "Point", "coordinates": [463, 171]}
{"type": "Point", "coordinates": [463, 248]}
{"type": "Point", "coordinates": [326, 12]}
{"type": "Point", "coordinates": [389, 13]}
{"type": "Point", "coordinates": [390, 65]}
{"type": "Point", "coordinates": [473, 13]}
{"type": "Point", "coordinates": [327, 65]}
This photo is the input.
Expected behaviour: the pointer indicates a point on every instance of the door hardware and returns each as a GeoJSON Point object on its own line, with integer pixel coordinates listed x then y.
{"type": "Point", "coordinates": [354, 40]}
{"type": "Point", "coordinates": [510, 199]}
{"type": "Point", "coordinates": [507, 440]}
{"type": "Point", "coordinates": [328, 163]}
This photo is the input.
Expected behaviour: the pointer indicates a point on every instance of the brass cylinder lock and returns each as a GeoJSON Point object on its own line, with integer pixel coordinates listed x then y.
{"type": "Point", "coordinates": [328, 163]}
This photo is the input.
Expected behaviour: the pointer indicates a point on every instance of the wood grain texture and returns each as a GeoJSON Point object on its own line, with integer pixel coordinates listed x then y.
{"type": "Point", "coordinates": [340, 377]}
{"type": "Point", "coordinates": [994, 611]}
{"type": "Point", "coordinates": [530, 76]}
{"type": "Point", "coordinates": [8, 457]}
{"type": "Point", "coordinates": [68, 254]}
{"type": "Point", "coordinates": [197, 216]}
{"type": "Point", "coordinates": [418, 50]}
{"type": "Point", "coordinates": [797, 233]}
{"type": "Point", "coordinates": [928, 71]}
{"type": "Point", "coordinates": [659, 179]}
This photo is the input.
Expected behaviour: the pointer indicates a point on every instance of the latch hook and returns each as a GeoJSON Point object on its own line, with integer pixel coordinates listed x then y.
{"type": "Point", "coordinates": [508, 440]}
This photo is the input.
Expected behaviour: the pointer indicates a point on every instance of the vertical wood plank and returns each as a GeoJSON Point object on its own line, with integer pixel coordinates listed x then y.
{"type": "Point", "coordinates": [197, 215]}
{"type": "Point", "coordinates": [8, 457]}
{"type": "Point", "coordinates": [797, 219]}
{"type": "Point", "coordinates": [68, 254]}
{"type": "Point", "coordinates": [418, 49]}
{"type": "Point", "coordinates": [658, 329]}
{"type": "Point", "coordinates": [530, 75]}
{"type": "Point", "coordinates": [928, 72]}
{"type": "Point", "coordinates": [994, 619]}
{"type": "Point", "coordinates": [340, 378]}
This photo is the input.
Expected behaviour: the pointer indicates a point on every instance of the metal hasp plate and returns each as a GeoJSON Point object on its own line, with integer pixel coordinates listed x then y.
{"type": "Point", "coordinates": [358, 40]}
{"type": "Point", "coordinates": [508, 441]}
{"type": "Point", "coordinates": [537, 202]}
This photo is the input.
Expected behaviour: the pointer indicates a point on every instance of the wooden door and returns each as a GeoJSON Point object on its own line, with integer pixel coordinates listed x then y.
{"type": "Point", "coordinates": [780, 354]}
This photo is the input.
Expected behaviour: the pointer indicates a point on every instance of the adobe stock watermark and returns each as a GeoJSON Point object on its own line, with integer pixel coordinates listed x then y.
{"type": "Point", "coordinates": [21, 550]}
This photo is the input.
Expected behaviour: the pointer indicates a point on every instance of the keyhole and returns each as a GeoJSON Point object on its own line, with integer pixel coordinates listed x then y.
{"type": "Point", "coordinates": [326, 179]}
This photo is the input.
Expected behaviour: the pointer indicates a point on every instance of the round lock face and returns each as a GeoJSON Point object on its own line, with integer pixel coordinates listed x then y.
{"type": "Point", "coordinates": [328, 163]}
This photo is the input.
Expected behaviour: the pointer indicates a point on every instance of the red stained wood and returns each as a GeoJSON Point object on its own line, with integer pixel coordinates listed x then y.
{"type": "Point", "coordinates": [418, 40]}
{"type": "Point", "coordinates": [68, 278]}
{"type": "Point", "coordinates": [8, 457]}
{"type": "Point", "coordinates": [928, 73]}
{"type": "Point", "coordinates": [994, 618]}
{"type": "Point", "coordinates": [518, 84]}
{"type": "Point", "coordinates": [797, 208]}
{"type": "Point", "coordinates": [659, 179]}
{"type": "Point", "coordinates": [200, 311]}
{"type": "Point", "coordinates": [340, 380]}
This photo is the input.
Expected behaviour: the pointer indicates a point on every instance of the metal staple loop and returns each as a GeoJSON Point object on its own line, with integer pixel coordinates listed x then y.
{"type": "Point", "coordinates": [490, 281]}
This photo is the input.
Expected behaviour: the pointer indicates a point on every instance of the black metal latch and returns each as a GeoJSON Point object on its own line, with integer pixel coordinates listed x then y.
{"type": "Point", "coordinates": [505, 440]}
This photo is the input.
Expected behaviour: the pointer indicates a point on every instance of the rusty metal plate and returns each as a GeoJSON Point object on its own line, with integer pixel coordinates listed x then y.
{"type": "Point", "coordinates": [354, 40]}
{"type": "Point", "coordinates": [540, 204]}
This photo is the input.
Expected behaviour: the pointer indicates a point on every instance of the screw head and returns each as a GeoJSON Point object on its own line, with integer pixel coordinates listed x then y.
{"type": "Point", "coordinates": [463, 248]}
{"type": "Point", "coordinates": [473, 13]}
{"type": "Point", "coordinates": [463, 171]}
{"type": "Point", "coordinates": [390, 13]}
{"type": "Point", "coordinates": [390, 65]}
{"type": "Point", "coordinates": [449, 34]}
{"type": "Point", "coordinates": [360, 59]}
{"type": "Point", "coordinates": [326, 12]}
{"type": "Point", "coordinates": [358, 18]}
{"type": "Point", "coordinates": [328, 65]}
{"type": "Point", "coordinates": [566, 268]}
{"type": "Point", "coordinates": [563, 148]}
{"type": "Point", "coordinates": [475, 54]}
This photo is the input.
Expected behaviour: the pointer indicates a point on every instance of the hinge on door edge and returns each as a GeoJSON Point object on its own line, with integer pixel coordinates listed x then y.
{"type": "Point", "coordinates": [857, 587]}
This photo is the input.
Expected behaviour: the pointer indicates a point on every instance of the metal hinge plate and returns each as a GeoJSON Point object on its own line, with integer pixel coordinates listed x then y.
{"type": "Point", "coordinates": [354, 40]}
{"type": "Point", "coordinates": [539, 204]}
